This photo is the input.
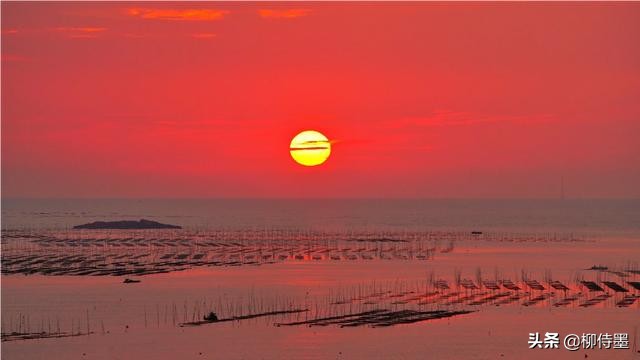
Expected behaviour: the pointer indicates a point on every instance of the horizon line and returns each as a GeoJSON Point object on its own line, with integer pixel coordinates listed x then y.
{"type": "Point", "coordinates": [304, 198]}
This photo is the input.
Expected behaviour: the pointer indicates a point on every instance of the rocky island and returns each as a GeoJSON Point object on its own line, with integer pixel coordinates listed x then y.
{"type": "Point", "coordinates": [127, 224]}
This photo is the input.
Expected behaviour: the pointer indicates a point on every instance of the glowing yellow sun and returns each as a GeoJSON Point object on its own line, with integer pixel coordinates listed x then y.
{"type": "Point", "coordinates": [310, 148]}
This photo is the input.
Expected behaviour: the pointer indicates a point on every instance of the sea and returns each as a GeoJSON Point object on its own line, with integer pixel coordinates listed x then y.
{"type": "Point", "coordinates": [599, 217]}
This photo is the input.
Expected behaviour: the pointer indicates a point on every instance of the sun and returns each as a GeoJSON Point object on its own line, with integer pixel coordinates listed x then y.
{"type": "Point", "coordinates": [310, 148]}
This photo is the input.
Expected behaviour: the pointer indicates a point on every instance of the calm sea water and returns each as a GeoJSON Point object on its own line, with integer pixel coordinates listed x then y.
{"type": "Point", "coordinates": [603, 217]}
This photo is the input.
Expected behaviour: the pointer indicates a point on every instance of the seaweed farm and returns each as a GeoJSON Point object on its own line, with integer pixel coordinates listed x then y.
{"type": "Point", "coordinates": [120, 253]}
{"type": "Point", "coordinates": [161, 284]}
{"type": "Point", "coordinates": [362, 304]}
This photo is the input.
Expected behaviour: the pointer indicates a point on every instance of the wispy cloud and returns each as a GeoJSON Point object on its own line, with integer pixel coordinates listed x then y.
{"type": "Point", "coordinates": [308, 148]}
{"type": "Point", "coordinates": [310, 145]}
{"type": "Point", "coordinates": [283, 14]}
{"type": "Point", "coordinates": [178, 15]}
{"type": "Point", "coordinates": [81, 32]}
{"type": "Point", "coordinates": [314, 142]}
{"type": "Point", "coordinates": [86, 29]}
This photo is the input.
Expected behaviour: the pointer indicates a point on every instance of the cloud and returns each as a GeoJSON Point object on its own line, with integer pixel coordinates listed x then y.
{"type": "Point", "coordinates": [88, 29]}
{"type": "Point", "coordinates": [86, 32]}
{"type": "Point", "coordinates": [283, 14]}
{"type": "Point", "coordinates": [178, 15]}
{"type": "Point", "coordinates": [309, 148]}
{"type": "Point", "coordinates": [319, 145]}
{"type": "Point", "coordinates": [203, 35]}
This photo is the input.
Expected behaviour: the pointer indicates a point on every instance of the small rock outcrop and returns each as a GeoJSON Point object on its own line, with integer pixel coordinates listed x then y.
{"type": "Point", "coordinates": [127, 224]}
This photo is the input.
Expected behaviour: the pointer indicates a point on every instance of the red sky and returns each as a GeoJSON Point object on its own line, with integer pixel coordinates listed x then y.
{"type": "Point", "coordinates": [420, 99]}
